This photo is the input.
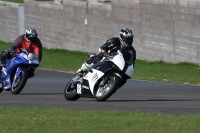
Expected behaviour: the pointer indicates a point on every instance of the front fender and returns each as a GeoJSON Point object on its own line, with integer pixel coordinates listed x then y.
{"type": "Point", "coordinates": [118, 75]}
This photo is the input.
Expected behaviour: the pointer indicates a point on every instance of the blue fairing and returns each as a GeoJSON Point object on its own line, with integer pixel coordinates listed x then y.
{"type": "Point", "coordinates": [14, 63]}
{"type": "Point", "coordinates": [18, 63]}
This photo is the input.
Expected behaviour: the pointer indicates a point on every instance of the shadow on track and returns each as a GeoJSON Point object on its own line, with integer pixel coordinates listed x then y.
{"type": "Point", "coordinates": [153, 100]}
{"type": "Point", "coordinates": [40, 93]}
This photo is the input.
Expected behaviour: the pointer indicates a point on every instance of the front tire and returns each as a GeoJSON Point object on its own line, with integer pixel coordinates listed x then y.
{"type": "Point", "coordinates": [70, 92]}
{"type": "Point", "coordinates": [1, 90]}
{"type": "Point", "coordinates": [103, 93]}
{"type": "Point", "coordinates": [19, 83]}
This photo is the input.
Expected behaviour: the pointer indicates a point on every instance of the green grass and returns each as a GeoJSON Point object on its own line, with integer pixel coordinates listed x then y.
{"type": "Point", "coordinates": [184, 73]}
{"type": "Point", "coordinates": [15, 1]}
{"type": "Point", "coordinates": [70, 61]}
{"type": "Point", "coordinates": [45, 120]}
{"type": "Point", "coordinates": [62, 59]}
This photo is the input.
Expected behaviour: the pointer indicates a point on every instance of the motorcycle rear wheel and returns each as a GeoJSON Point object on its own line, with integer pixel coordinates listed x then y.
{"type": "Point", "coordinates": [19, 83]}
{"type": "Point", "coordinates": [103, 93]}
{"type": "Point", "coordinates": [70, 92]}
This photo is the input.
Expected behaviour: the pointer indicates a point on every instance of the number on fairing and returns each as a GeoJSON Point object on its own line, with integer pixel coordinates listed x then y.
{"type": "Point", "coordinates": [79, 88]}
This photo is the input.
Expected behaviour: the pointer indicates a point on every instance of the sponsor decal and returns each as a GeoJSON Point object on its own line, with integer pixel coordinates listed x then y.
{"type": "Point", "coordinates": [95, 77]}
{"type": "Point", "coordinates": [4, 71]}
{"type": "Point", "coordinates": [78, 88]}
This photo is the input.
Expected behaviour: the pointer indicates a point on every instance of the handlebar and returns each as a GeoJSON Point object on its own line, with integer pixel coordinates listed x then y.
{"type": "Point", "coordinates": [13, 53]}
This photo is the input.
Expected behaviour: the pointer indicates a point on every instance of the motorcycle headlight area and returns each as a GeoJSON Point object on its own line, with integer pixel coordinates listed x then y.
{"type": "Point", "coordinates": [31, 56]}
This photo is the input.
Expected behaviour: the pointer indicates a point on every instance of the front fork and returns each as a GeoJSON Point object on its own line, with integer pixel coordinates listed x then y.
{"type": "Point", "coordinates": [18, 72]}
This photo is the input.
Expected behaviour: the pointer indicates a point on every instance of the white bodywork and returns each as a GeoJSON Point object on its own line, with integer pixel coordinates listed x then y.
{"type": "Point", "coordinates": [119, 60]}
{"type": "Point", "coordinates": [95, 75]}
{"type": "Point", "coordinates": [92, 78]}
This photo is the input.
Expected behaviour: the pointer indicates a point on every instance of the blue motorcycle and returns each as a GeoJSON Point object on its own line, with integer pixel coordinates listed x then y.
{"type": "Point", "coordinates": [16, 71]}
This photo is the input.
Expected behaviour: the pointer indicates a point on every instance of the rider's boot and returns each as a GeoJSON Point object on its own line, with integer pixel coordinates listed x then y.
{"type": "Point", "coordinates": [79, 73]}
{"type": "Point", "coordinates": [85, 66]}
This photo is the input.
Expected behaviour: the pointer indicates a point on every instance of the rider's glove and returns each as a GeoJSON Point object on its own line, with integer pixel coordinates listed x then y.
{"type": "Point", "coordinates": [90, 59]}
{"type": "Point", "coordinates": [12, 53]}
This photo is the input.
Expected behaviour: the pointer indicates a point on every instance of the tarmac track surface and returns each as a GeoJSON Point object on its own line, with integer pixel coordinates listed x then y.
{"type": "Point", "coordinates": [47, 87]}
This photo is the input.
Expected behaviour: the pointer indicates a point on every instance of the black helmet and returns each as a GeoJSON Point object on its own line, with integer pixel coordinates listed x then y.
{"type": "Point", "coordinates": [126, 37]}
{"type": "Point", "coordinates": [31, 34]}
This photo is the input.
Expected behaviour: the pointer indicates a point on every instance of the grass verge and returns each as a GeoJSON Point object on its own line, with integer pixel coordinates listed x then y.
{"type": "Point", "coordinates": [66, 60]}
{"type": "Point", "coordinates": [15, 1]}
{"type": "Point", "coordinates": [44, 120]}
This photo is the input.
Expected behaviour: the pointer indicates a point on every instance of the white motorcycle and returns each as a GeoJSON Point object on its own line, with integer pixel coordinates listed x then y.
{"type": "Point", "coordinates": [103, 79]}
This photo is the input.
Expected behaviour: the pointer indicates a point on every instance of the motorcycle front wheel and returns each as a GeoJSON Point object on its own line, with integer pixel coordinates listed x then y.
{"type": "Point", "coordinates": [1, 90]}
{"type": "Point", "coordinates": [70, 92]}
{"type": "Point", "coordinates": [104, 92]}
{"type": "Point", "coordinates": [19, 83]}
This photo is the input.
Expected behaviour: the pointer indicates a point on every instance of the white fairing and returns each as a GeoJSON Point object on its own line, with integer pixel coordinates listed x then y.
{"type": "Point", "coordinates": [119, 60]}
{"type": "Point", "coordinates": [93, 77]}
{"type": "Point", "coordinates": [130, 71]}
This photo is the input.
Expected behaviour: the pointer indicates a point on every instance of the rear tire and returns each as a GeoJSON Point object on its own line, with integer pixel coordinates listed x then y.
{"type": "Point", "coordinates": [19, 83]}
{"type": "Point", "coordinates": [70, 92]}
{"type": "Point", "coordinates": [103, 93]}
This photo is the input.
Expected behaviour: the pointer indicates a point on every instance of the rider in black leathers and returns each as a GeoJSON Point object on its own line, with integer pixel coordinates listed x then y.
{"type": "Point", "coordinates": [123, 43]}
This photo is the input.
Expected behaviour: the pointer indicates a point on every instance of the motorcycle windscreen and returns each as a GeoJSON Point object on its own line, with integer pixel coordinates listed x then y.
{"type": "Point", "coordinates": [129, 71]}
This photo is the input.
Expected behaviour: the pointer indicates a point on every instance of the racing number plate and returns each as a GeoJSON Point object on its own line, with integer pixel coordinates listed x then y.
{"type": "Point", "coordinates": [78, 88]}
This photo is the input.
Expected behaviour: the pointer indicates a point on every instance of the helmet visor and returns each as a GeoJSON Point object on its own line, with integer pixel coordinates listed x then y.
{"type": "Point", "coordinates": [32, 39]}
{"type": "Point", "coordinates": [127, 41]}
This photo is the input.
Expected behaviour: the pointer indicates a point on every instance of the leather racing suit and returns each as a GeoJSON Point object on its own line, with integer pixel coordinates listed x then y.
{"type": "Point", "coordinates": [32, 47]}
